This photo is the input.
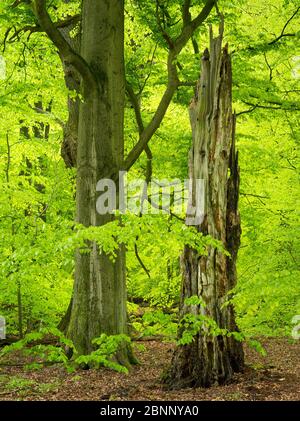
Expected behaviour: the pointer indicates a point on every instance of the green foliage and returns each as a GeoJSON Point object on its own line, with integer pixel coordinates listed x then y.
{"type": "Point", "coordinates": [194, 323]}
{"type": "Point", "coordinates": [191, 325]}
{"type": "Point", "coordinates": [31, 346]}
{"type": "Point", "coordinates": [195, 300]}
{"type": "Point", "coordinates": [155, 323]}
{"type": "Point", "coordinates": [257, 346]}
{"type": "Point", "coordinates": [105, 354]}
{"type": "Point", "coordinates": [21, 386]}
{"type": "Point", "coordinates": [38, 235]}
{"type": "Point", "coordinates": [159, 288]}
{"type": "Point", "coordinates": [18, 383]}
{"type": "Point", "coordinates": [268, 292]}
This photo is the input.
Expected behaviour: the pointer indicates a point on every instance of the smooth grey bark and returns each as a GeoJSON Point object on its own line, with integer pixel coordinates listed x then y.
{"type": "Point", "coordinates": [99, 297]}
{"type": "Point", "coordinates": [210, 359]}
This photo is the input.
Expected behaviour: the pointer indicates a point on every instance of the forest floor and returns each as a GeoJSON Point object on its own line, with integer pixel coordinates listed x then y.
{"type": "Point", "coordinates": [274, 377]}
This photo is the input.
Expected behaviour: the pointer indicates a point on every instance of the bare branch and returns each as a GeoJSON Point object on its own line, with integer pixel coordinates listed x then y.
{"type": "Point", "coordinates": [49, 114]}
{"type": "Point", "coordinates": [282, 34]}
{"type": "Point", "coordinates": [150, 71]}
{"type": "Point", "coordinates": [140, 261]}
{"type": "Point", "coordinates": [246, 111]}
{"type": "Point", "coordinates": [254, 195]}
{"type": "Point", "coordinates": [187, 83]}
{"type": "Point", "coordinates": [155, 122]}
{"type": "Point", "coordinates": [165, 35]}
{"type": "Point", "coordinates": [186, 15]}
{"type": "Point", "coordinates": [277, 106]}
{"type": "Point", "coordinates": [186, 18]}
{"type": "Point", "coordinates": [164, 208]}
{"type": "Point", "coordinates": [195, 46]}
{"type": "Point", "coordinates": [36, 28]}
{"type": "Point", "coordinates": [139, 120]}
{"type": "Point", "coordinates": [292, 165]}
{"type": "Point", "coordinates": [18, 2]}
{"type": "Point", "coordinates": [136, 107]}
{"type": "Point", "coordinates": [5, 38]}
{"type": "Point", "coordinates": [28, 28]}
{"type": "Point", "coordinates": [254, 49]}
{"type": "Point", "coordinates": [149, 169]}
{"type": "Point", "coordinates": [193, 25]}
{"type": "Point", "coordinates": [269, 67]}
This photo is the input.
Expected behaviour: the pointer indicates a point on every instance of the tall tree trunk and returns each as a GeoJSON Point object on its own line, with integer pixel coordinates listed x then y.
{"type": "Point", "coordinates": [73, 81]}
{"type": "Point", "coordinates": [99, 297]}
{"type": "Point", "coordinates": [210, 359]}
{"type": "Point", "coordinates": [70, 139]}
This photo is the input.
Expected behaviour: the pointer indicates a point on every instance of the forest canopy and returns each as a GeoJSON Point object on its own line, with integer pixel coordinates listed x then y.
{"type": "Point", "coordinates": [42, 86]}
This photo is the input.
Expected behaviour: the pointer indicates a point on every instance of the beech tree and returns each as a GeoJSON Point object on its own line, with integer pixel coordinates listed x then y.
{"type": "Point", "coordinates": [99, 297]}
{"type": "Point", "coordinates": [63, 95]}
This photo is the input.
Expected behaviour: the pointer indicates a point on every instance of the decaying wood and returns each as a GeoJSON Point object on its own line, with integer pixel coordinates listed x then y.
{"type": "Point", "coordinates": [212, 359]}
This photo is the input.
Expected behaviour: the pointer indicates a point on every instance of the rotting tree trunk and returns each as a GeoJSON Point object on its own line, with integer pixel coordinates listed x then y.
{"type": "Point", "coordinates": [210, 359]}
{"type": "Point", "coordinates": [99, 296]}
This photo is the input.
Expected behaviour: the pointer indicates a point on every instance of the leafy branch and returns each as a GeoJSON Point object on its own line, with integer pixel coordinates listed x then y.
{"type": "Point", "coordinates": [37, 28]}
{"type": "Point", "coordinates": [283, 34]}
{"type": "Point", "coordinates": [174, 49]}
{"type": "Point", "coordinates": [66, 52]}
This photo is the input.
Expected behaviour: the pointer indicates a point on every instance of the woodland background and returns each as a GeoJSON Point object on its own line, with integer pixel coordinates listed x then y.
{"type": "Point", "coordinates": [37, 199]}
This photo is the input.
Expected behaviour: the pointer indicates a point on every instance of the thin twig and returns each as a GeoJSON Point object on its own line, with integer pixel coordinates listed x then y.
{"type": "Point", "coordinates": [282, 34]}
